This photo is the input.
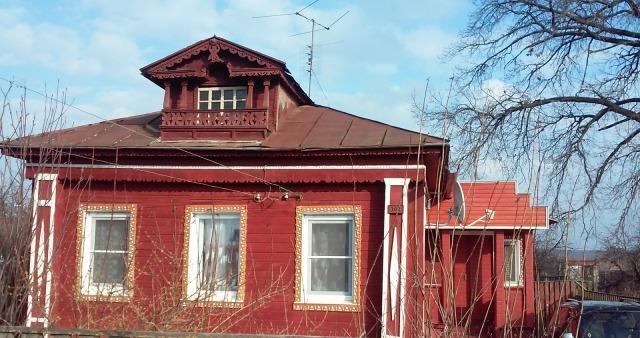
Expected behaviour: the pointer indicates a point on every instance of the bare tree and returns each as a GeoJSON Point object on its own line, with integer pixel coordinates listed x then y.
{"type": "Point", "coordinates": [622, 256]}
{"type": "Point", "coordinates": [15, 195]}
{"type": "Point", "coordinates": [551, 90]}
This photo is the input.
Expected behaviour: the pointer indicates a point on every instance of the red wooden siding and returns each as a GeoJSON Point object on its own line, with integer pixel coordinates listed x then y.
{"type": "Point", "coordinates": [269, 260]}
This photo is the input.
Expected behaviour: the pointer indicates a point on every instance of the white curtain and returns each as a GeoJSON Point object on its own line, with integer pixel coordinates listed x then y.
{"type": "Point", "coordinates": [220, 252]}
{"type": "Point", "coordinates": [331, 257]}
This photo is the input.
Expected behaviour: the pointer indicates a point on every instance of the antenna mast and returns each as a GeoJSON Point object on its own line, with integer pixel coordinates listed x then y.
{"type": "Point", "coordinates": [310, 61]}
{"type": "Point", "coordinates": [314, 23]}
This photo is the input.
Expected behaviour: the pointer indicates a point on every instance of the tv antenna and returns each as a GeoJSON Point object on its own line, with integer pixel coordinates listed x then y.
{"type": "Point", "coordinates": [314, 29]}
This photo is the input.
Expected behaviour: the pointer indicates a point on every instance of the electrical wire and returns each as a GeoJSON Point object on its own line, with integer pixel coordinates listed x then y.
{"type": "Point", "coordinates": [13, 83]}
{"type": "Point", "coordinates": [315, 76]}
{"type": "Point", "coordinates": [62, 152]}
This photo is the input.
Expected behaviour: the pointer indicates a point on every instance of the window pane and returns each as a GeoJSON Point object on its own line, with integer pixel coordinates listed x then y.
{"type": "Point", "coordinates": [330, 239]}
{"type": "Point", "coordinates": [109, 267]}
{"type": "Point", "coordinates": [111, 234]}
{"type": "Point", "coordinates": [240, 105]}
{"type": "Point", "coordinates": [215, 95]}
{"type": "Point", "coordinates": [241, 94]}
{"type": "Point", "coordinates": [510, 263]}
{"type": "Point", "coordinates": [204, 95]}
{"type": "Point", "coordinates": [215, 105]}
{"type": "Point", "coordinates": [228, 104]}
{"type": "Point", "coordinates": [203, 106]}
{"type": "Point", "coordinates": [228, 94]}
{"type": "Point", "coordinates": [330, 274]}
{"type": "Point", "coordinates": [220, 252]}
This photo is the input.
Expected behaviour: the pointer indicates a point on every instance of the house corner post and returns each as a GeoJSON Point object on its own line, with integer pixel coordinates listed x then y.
{"type": "Point", "coordinates": [394, 286]}
{"type": "Point", "coordinates": [266, 103]}
{"type": "Point", "coordinates": [250, 85]}
{"type": "Point", "coordinates": [183, 103]}
{"type": "Point", "coordinates": [42, 232]}
{"type": "Point", "coordinates": [166, 103]}
{"type": "Point", "coordinates": [500, 305]}
{"type": "Point", "coordinates": [447, 297]}
{"type": "Point", "coordinates": [529, 279]}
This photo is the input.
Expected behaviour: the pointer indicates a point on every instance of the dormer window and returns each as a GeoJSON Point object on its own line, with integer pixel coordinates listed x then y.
{"type": "Point", "coordinates": [215, 98]}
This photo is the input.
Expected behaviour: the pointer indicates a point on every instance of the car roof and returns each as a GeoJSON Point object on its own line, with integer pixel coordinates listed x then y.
{"type": "Point", "coordinates": [600, 305]}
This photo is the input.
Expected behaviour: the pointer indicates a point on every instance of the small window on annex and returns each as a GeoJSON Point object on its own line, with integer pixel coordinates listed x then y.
{"type": "Point", "coordinates": [220, 98]}
{"type": "Point", "coordinates": [512, 262]}
{"type": "Point", "coordinates": [105, 240]}
{"type": "Point", "coordinates": [328, 239]}
{"type": "Point", "coordinates": [215, 238]}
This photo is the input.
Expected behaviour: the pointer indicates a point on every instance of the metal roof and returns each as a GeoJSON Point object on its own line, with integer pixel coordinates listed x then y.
{"type": "Point", "coordinates": [308, 127]}
{"type": "Point", "coordinates": [511, 209]}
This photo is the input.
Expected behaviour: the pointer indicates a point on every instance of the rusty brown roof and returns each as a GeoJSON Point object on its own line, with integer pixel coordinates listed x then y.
{"type": "Point", "coordinates": [305, 128]}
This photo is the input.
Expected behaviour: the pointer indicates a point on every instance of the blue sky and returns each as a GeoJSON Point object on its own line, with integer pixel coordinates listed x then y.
{"type": "Point", "coordinates": [370, 63]}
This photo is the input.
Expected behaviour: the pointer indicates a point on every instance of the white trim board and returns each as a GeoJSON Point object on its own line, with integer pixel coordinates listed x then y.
{"type": "Point", "coordinates": [218, 167]}
{"type": "Point", "coordinates": [487, 228]}
{"type": "Point", "coordinates": [48, 242]}
{"type": "Point", "coordinates": [404, 182]}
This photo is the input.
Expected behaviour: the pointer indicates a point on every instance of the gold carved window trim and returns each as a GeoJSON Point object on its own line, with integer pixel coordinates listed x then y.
{"type": "Point", "coordinates": [127, 293]}
{"type": "Point", "coordinates": [188, 220]}
{"type": "Point", "coordinates": [347, 210]}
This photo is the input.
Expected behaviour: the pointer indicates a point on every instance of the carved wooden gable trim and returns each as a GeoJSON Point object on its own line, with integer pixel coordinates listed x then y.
{"type": "Point", "coordinates": [168, 68]}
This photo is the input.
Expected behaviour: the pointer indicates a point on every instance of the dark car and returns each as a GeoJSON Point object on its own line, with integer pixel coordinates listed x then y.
{"type": "Point", "coordinates": [597, 319]}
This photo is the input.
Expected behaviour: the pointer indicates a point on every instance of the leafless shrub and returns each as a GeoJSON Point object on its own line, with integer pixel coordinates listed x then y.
{"type": "Point", "coordinates": [19, 120]}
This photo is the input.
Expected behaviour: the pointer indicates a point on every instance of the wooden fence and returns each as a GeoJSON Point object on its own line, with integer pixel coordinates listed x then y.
{"type": "Point", "coordinates": [549, 296]}
{"type": "Point", "coordinates": [583, 293]}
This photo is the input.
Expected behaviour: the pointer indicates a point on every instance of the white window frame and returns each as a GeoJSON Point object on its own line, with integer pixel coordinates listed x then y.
{"type": "Point", "coordinates": [222, 98]}
{"type": "Point", "coordinates": [517, 244]}
{"type": "Point", "coordinates": [325, 297]}
{"type": "Point", "coordinates": [88, 214]}
{"type": "Point", "coordinates": [308, 302]}
{"type": "Point", "coordinates": [194, 239]}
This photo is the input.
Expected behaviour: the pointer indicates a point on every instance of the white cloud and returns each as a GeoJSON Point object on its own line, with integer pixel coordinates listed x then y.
{"type": "Point", "coordinates": [391, 109]}
{"type": "Point", "coordinates": [138, 98]}
{"type": "Point", "coordinates": [426, 43]}
{"type": "Point", "coordinates": [495, 87]}
{"type": "Point", "coordinates": [382, 68]}
{"type": "Point", "coordinates": [425, 9]}
{"type": "Point", "coordinates": [66, 50]}
{"type": "Point", "coordinates": [112, 39]}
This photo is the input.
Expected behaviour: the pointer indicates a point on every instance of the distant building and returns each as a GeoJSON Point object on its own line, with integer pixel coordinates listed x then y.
{"type": "Point", "coordinates": [583, 265]}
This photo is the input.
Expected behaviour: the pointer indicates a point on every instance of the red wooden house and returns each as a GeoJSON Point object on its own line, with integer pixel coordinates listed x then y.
{"type": "Point", "coordinates": [243, 207]}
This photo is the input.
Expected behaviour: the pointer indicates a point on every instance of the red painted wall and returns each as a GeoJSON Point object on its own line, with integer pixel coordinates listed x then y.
{"type": "Point", "coordinates": [476, 266]}
{"type": "Point", "coordinates": [270, 260]}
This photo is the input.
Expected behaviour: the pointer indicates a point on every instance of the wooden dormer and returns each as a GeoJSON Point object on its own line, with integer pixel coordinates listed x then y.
{"type": "Point", "coordinates": [218, 90]}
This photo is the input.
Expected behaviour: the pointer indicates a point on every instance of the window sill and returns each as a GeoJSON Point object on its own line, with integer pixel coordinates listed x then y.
{"type": "Point", "coordinates": [345, 307]}
{"type": "Point", "coordinates": [106, 298]}
{"type": "Point", "coordinates": [212, 303]}
{"type": "Point", "coordinates": [514, 286]}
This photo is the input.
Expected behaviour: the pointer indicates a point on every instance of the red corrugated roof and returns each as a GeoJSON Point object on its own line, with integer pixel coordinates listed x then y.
{"type": "Point", "coordinates": [511, 209]}
{"type": "Point", "coordinates": [306, 127]}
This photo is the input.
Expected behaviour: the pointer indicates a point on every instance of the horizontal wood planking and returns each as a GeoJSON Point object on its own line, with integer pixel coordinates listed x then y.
{"type": "Point", "coordinates": [270, 254]}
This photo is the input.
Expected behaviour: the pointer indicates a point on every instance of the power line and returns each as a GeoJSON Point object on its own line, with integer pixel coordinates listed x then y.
{"type": "Point", "coordinates": [13, 83]}
{"type": "Point", "coordinates": [149, 172]}
{"type": "Point", "coordinates": [314, 23]}
{"type": "Point", "coordinates": [319, 85]}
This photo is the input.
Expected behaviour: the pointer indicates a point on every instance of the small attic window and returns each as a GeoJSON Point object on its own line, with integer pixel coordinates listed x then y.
{"type": "Point", "coordinates": [216, 98]}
